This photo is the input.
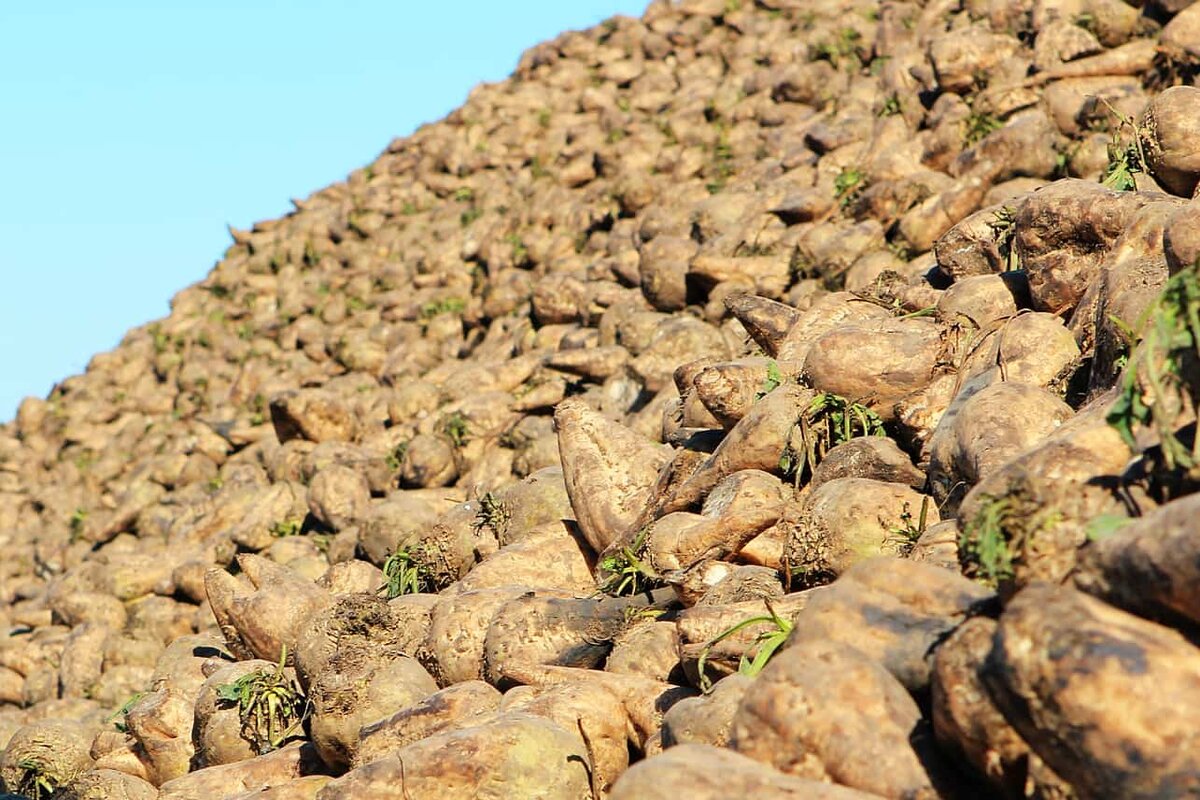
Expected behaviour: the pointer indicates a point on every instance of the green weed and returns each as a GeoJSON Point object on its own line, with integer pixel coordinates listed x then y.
{"type": "Point", "coordinates": [36, 782]}
{"type": "Point", "coordinates": [1162, 375]}
{"type": "Point", "coordinates": [118, 717]}
{"type": "Point", "coordinates": [448, 305]}
{"type": "Point", "coordinates": [901, 251]}
{"type": "Point", "coordinates": [404, 575]}
{"type": "Point", "coordinates": [1125, 156]}
{"type": "Point", "coordinates": [772, 382]}
{"type": "Point", "coordinates": [633, 615]}
{"type": "Point", "coordinates": [1004, 232]}
{"type": "Point", "coordinates": [520, 253]}
{"type": "Point", "coordinates": [258, 413]}
{"type": "Point", "coordinates": [1105, 525]}
{"type": "Point", "coordinates": [395, 459]}
{"type": "Point", "coordinates": [983, 542]}
{"type": "Point", "coordinates": [469, 216]}
{"type": "Point", "coordinates": [927, 311]}
{"type": "Point", "coordinates": [287, 527]}
{"type": "Point", "coordinates": [162, 342]}
{"type": "Point", "coordinates": [310, 257]}
{"type": "Point", "coordinates": [765, 645]}
{"type": "Point", "coordinates": [457, 428]}
{"type": "Point", "coordinates": [271, 707]}
{"type": "Point", "coordinates": [978, 125]}
{"type": "Point", "coordinates": [1001, 532]}
{"type": "Point", "coordinates": [628, 574]}
{"type": "Point", "coordinates": [721, 168]}
{"type": "Point", "coordinates": [848, 185]}
{"type": "Point", "coordinates": [1125, 159]}
{"type": "Point", "coordinates": [842, 48]}
{"type": "Point", "coordinates": [76, 522]}
{"type": "Point", "coordinates": [668, 134]}
{"type": "Point", "coordinates": [493, 514]}
{"type": "Point", "coordinates": [828, 421]}
{"type": "Point", "coordinates": [904, 537]}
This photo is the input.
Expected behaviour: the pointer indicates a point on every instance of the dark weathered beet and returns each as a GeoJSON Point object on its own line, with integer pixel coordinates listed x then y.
{"type": "Point", "coordinates": [1102, 696]}
{"type": "Point", "coordinates": [894, 611]}
{"type": "Point", "coordinates": [709, 773]}
{"type": "Point", "coordinates": [874, 457]}
{"type": "Point", "coordinates": [1062, 235]}
{"type": "Point", "coordinates": [1150, 566]}
{"type": "Point", "coordinates": [968, 725]}
{"type": "Point", "coordinates": [825, 711]}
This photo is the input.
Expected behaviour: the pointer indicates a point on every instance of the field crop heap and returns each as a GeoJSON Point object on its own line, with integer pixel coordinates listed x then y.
{"type": "Point", "coordinates": [777, 399]}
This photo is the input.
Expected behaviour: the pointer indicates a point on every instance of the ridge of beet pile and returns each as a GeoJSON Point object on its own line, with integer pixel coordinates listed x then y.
{"type": "Point", "coordinates": [778, 397]}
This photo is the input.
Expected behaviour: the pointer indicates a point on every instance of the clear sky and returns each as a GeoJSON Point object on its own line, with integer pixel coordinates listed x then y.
{"type": "Point", "coordinates": [133, 131]}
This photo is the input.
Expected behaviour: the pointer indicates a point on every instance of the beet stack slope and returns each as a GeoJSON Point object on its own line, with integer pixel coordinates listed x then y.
{"type": "Point", "coordinates": [786, 397]}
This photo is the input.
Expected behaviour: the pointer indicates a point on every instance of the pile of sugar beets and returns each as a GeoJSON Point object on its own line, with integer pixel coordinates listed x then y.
{"type": "Point", "coordinates": [787, 399]}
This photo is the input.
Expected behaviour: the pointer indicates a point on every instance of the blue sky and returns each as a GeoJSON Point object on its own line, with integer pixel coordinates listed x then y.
{"type": "Point", "coordinates": [131, 133]}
